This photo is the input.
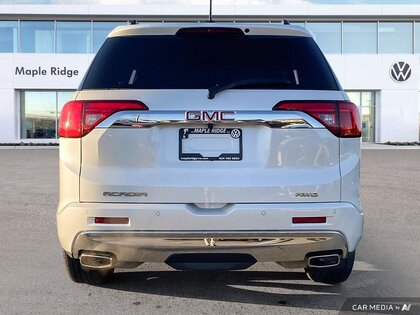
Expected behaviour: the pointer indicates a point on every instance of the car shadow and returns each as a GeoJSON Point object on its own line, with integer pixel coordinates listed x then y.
{"type": "Point", "coordinates": [292, 289]}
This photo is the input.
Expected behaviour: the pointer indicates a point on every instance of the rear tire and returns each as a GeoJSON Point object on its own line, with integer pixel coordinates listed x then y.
{"type": "Point", "coordinates": [80, 275]}
{"type": "Point", "coordinates": [332, 275]}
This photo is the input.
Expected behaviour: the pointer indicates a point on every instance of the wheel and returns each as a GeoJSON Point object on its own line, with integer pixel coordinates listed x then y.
{"type": "Point", "coordinates": [332, 275]}
{"type": "Point", "coordinates": [80, 275]}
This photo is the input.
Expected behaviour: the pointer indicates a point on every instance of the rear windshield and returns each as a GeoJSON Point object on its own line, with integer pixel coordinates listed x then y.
{"type": "Point", "coordinates": [176, 62]}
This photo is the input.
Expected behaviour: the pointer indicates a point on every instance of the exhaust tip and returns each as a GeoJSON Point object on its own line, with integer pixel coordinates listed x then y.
{"type": "Point", "coordinates": [323, 261]}
{"type": "Point", "coordinates": [96, 261]}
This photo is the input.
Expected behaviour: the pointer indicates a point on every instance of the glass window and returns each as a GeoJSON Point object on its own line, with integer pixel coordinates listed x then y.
{"type": "Point", "coordinates": [40, 111]}
{"type": "Point", "coordinates": [37, 36]}
{"type": "Point", "coordinates": [417, 39]}
{"type": "Point", "coordinates": [365, 100]}
{"type": "Point", "coordinates": [360, 38]}
{"type": "Point", "coordinates": [327, 35]}
{"type": "Point", "coordinates": [101, 31]}
{"type": "Point", "coordinates": [73, 37]}
{"type": "Point", "coordinates": [395, 37]}
{"type": "Point", "coordinates": [185, 62]}
{"type": "Point", "coordinates": [38, 114]}
{"type": "Point", "coordinates": [368, 116]}
{"type": "Point", "coordinates": [8, 36]}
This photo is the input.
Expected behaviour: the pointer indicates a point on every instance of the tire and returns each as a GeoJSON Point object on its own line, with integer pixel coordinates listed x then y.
{"type": "Point", "coordinates": [332, 275]}
{"type": "Point", "coordinates": [80, 275]}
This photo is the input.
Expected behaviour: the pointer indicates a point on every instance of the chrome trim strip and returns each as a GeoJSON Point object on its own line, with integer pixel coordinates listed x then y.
{"type": "Point", "coordinates": [157, 246]}
{"type": "Point", "coordinates": [148, 119]}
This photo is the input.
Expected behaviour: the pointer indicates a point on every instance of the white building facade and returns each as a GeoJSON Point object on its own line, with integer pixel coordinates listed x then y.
{"type": "Point", "coordinates": [45, 51]}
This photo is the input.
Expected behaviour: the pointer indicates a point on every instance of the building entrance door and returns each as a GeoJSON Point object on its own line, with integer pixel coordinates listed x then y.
{"type": "Point", "coordinates": [365, 100]}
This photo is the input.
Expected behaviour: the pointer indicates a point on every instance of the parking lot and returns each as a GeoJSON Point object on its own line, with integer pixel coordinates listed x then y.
{"type": "Point", "coordinates": [33, 279]}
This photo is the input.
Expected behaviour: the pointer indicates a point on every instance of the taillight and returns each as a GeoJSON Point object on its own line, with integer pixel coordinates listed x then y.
{"type": "Point", "coordinates": [341, 118]}
{"type": "Point", "coordinates": [78, 118]}
{"type": "Point", "coordinates": [350, 120]}
{"type": "Point", "coordinates": [71, 120]}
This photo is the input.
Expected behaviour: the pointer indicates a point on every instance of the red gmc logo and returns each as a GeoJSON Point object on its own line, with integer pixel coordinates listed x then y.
{"type": "Point", "coordinates": [209, 116]}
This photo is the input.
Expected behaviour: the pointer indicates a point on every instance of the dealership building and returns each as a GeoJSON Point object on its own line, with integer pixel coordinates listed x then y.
{"type": "Point", "coordinates": [45, 51]}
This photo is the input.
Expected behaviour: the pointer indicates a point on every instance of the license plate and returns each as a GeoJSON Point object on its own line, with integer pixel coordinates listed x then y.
{"type": "Point", "coordinates": [210, 144]}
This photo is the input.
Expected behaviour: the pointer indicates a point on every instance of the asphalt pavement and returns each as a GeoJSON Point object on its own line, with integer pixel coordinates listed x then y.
{"type": "Point", "coordinates": [33, 280]}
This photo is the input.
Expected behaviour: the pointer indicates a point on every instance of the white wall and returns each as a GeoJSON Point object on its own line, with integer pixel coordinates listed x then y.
{"type": "Point", "coordinates": [7, 100]}
{"type": "Point", "coordinates": [397, 104]}
{"type": "Point", "coordinates": [11, 83]}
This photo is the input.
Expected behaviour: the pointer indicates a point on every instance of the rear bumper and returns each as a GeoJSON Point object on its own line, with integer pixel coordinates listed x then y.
{"type": "Point", "coordinates": [156, 231]}
{"type": "Point", "coordinates": [136, 246]}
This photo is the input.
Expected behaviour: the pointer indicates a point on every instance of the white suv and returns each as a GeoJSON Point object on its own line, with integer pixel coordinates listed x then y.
{"type": "Point", "coordinates": [209, 146]}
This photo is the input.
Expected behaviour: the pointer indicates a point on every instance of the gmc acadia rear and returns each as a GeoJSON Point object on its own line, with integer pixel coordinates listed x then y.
{"type": "Point", "coordinates": [212, 145]}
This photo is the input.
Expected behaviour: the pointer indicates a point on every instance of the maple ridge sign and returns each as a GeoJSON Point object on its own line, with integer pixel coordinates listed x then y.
{"type": "Point", "coordinates": [50, 71]}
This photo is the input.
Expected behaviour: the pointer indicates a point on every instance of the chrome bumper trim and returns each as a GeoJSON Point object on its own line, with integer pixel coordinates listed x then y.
{"type": "Point", "coordinates": [148, 119]}
{"type": "Point", "coordinates": [152, 246]}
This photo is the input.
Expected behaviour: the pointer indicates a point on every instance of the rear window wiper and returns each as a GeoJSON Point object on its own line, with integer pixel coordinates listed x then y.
{"type": "Point", "coordinates": [245, 82]}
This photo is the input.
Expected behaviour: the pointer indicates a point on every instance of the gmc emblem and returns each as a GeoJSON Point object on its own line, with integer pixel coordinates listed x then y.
{"type": "Point", "coordinates": [209, 116]}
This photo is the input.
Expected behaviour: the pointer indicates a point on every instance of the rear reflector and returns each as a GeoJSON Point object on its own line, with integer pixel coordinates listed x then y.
{"type": "Point", "coordinates": [341, 118]}
{"type": "Point", "coordinates": [78, 118]}
{"type": "Point", "coordinates": [110, 220]}
{"type": "Point", "coordinates": [302, 220]}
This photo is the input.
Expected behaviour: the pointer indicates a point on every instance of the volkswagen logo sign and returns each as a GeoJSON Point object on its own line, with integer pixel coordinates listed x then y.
{"type": "Point", "coordinates": [400, 71]}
